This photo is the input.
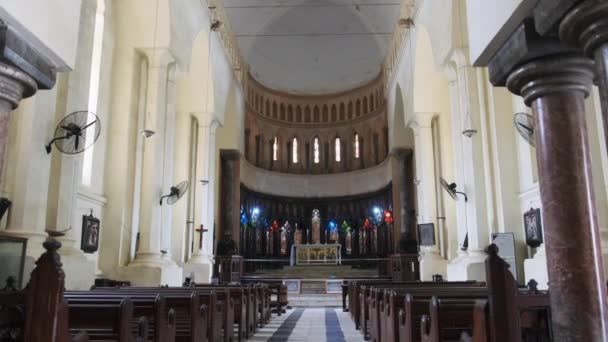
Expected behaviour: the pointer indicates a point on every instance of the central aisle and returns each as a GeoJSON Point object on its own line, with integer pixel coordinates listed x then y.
{"type": "Point", "coordinates": [310, 324]}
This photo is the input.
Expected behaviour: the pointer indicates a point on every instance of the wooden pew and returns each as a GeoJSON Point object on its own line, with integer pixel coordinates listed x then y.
{"type": "Point", "coordinates": [384, 311]}
{"type": "Point", "coordinates": [447, 320]}
{"type": "Point", "coordinates": [107, 320]}
{"type": "Point", "coordinates": [219, 301]}
{"type": "Point", "coordinates": [245, 299]}
{"type": "Point", "coordinates": [152, 306]}
{"type": "Point", "coordinates": [191, 317]}
{"type": "Point", "coordinates": [276, 288]}
{"type": "Point", "coordinates": [369, 293]}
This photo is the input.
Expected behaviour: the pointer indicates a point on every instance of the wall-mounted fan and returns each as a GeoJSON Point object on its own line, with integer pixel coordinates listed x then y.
{"type": "Point", "coordinates": [176, 193]}
{"type": "Point", "coordinates": [76, 132]}
{"type": "Point", "coordinates": [451, 189]}
{"type": "Point", "coordinates": [524, 124]}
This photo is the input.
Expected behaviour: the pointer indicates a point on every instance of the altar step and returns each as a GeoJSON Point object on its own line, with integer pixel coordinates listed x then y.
{"type": "Point", "coordinates": [318, 272]}
{"type": "Point", "coordinates": [315, 300]}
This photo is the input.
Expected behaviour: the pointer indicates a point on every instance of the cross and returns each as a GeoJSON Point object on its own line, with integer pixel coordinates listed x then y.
{"type": "Point", "coordinates": [202, 231]}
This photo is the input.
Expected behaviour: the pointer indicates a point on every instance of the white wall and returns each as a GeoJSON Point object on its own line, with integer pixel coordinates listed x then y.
{"type": "Point", "coordinates": [52, 25]}
{"type": "Point", "coordinates": [485, 19]}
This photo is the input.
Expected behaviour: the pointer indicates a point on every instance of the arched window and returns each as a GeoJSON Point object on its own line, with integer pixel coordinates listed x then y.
{"type": "Point", "coordinates": [338, 150]}
{"type": "Point", "coordinates": [356, 145]}
{"type": "Point", "coordinates": [294, 151]}
{"type": "Point", "coordinates": [315, 152]}
{"type": "Point", "coordinates": [275, 149]}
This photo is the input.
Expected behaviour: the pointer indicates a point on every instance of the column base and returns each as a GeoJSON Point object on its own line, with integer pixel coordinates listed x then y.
{"type": "Point", "coordinates": [151, 275]}
{"type": "Point", "coordinates": [536, 268]}
{"type": "Point", "coordinates": [432, 263]}
{"type": "Point", "coordinates": [79, 270]}
{"type": "Point", "coordinates": [201, 266]}
{"type": "Point", "coordinates": [467, 266]}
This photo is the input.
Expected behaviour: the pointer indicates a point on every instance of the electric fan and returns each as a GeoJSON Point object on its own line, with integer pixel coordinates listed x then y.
{"type": "Point", "coordinates": [176, 193]}
{"type": "Point", "coordinates": [451, 189]}
{"type": "Point", "coordinates": [524, 124]}
{"type": "Point", "coordinates": [75, 133]}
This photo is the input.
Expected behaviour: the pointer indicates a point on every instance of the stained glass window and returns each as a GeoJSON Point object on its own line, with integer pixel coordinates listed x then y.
{"type": "Point", "coordinates": [275, 149]}
{"type": "Point", "coordinates": [316, 151]}
{"type": "Point", "coordinates": [294, 151]}
{"type": "Point", "coordinates": [357, 145]}
{"type": "Point", "coordinates": [338, 150]}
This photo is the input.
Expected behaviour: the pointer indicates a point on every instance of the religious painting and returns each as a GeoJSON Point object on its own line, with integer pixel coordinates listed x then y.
{"type": "Point", "coordinates": [349, 243]}
{"type": "Point", "coordinates": [284, 242]}
{"type": "Point", "coordinates": [363, 242]}
{"type": "Point", "coordinates": [269, 242]}
{"type": "Point", "coordinates": [375, 240]}
{"type": "Point", "coordinates": [533, 228]}
{"type": "Point", "coordinates": [426, 232]}
{"type": "Point", "coordinates": [89, 242]}
{"type": "Point", "coordinates": [258, 240]}
{"type": "Point", "coordinates": [316, 227]}
{"type": "Point", "coordinates": [298, 236]}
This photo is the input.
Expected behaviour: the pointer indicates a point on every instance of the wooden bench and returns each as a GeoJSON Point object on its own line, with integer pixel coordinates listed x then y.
{"type": "Point", "coordinates": [110, 319]}
{"type": "Point", "coordinates": [221, 307]}
{"type": "Point", "coordinates": [191, 316]}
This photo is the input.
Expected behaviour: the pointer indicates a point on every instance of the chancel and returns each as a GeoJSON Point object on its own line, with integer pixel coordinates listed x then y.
{"type": "Point", "coordinates": [303, 170]}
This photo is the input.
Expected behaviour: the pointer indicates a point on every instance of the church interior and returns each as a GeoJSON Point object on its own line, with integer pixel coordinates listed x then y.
{"type": "Point", "coordinates": [303, 170]}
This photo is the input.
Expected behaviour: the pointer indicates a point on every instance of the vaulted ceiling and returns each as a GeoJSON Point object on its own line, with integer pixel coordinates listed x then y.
{"type": "Point", "coordinates": [313, 46]}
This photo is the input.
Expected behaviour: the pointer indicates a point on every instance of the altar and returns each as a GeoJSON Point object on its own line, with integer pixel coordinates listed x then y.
{"type": "Point", "coordinates": [316, 254]}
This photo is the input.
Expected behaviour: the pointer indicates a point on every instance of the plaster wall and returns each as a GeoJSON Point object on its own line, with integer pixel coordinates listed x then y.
{"type": "Point", "coordinates": [330, 185]}
{"type": "Point", "coordinates": [484, 21]}
{"type": "Point", "coordinates": [50, 25]}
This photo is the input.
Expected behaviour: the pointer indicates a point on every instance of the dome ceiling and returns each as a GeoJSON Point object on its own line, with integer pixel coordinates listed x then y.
{"type": "Point", "coordinates": [313, 46]}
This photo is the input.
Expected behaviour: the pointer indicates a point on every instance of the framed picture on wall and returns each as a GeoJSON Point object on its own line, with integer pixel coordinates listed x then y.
{"type": "Point", "coordinates": [89, 242]}
{"type": "Point", "coordinates": [12, 258]}
{"type": "Point", "coordinates": [506, 249]}
{"type": "Point", "coordinates": [533, 228]}
{"type": "Point", "coordinates": [426, 232]}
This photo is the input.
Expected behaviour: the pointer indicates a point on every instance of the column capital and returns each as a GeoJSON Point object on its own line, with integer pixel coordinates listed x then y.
{"type": "Point", "coordinates": [586, 26]}
{"type": "Point", "coordinates": [15, 85]}
{"type": "Point", "coordinates": [158, 57]}
{"type": "Point", "coordinates": [422, 120]}
{"type": "Point", "coordinates": [555, 74]}
{"type": "Point", "coordinates": [205, 119]}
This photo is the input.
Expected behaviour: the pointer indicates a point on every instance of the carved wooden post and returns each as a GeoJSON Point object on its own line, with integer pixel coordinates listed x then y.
{"type": "Point", "coordinates": [46, 317]}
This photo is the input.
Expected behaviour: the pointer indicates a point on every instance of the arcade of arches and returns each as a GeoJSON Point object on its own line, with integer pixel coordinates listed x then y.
{"type": "Point", "coordinates": [311, 132]}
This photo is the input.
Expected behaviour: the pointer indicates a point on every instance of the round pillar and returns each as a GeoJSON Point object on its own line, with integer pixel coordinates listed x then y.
{"type": "Point", "coordinates": [555, 88]}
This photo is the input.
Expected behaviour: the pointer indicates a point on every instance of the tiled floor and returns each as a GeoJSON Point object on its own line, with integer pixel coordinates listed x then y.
{"type": "Point", "coordinates": [310, 324]}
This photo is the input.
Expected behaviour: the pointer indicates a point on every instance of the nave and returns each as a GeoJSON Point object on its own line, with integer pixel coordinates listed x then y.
{"type": "Point", "coordinates": [310, 324]}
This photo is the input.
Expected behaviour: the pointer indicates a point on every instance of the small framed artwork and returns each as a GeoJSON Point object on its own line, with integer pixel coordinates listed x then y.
{"type": "Point", "coordinates": [333, 286]}
{"type": "Point", "coordinates": [426, 232]}
{"type": "Point", "coordinates": [533, 228]}
{"type": "Point", "coordinates": [506, 249]}
{"type": "Point", "coordinates": [89, 242]}
{"type": "Point", "coordinates": [293, 285]}
{"type": "Point", "coordinates": [12, 258]}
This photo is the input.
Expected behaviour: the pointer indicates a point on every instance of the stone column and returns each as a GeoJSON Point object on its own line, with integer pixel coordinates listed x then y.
{"type": "Point", "coordinates": [431, 261]}
{"type": "Point", "coordinates": [230, 192]}
{"type": "Point", "coordinates": [586, 26]}
{"type": "Point", "coordinates": [153, 179]}
{"type": "Point", "coordinates": [555, 87]}
{"type": "Point", "coordinates": [403, 206]}
{"type": "Point", "coordinates": [14, 86]}
{"type": "Point", "coordinates": [200, 264]}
